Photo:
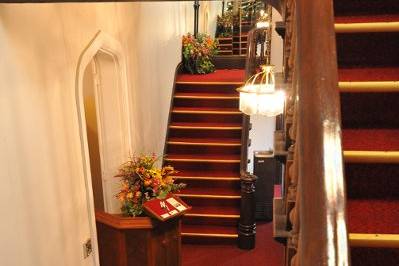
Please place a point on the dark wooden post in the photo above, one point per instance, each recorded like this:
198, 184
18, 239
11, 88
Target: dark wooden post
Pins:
247, 224
196, 17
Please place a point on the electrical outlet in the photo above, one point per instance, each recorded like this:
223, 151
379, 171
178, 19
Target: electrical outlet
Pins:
87, 248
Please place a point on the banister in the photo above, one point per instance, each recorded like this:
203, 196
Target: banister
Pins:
318, 218
247, 225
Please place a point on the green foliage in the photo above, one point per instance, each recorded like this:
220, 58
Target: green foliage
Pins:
197, 53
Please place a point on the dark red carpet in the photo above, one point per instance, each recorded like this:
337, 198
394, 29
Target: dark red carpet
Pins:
267, 252
220, 75
371, 139
370, 123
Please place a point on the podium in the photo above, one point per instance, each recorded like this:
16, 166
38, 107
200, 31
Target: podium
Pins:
138, 241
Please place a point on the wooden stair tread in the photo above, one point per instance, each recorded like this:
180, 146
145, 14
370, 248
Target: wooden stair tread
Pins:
205, 141
371, 156
374, 240
211, 126
209, 231
210, 96
206, 110
361, 139
367, 27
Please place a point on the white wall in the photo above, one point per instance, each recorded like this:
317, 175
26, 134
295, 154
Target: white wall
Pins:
42, 195
262, 133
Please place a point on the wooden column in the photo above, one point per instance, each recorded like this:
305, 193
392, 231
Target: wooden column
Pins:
247, 224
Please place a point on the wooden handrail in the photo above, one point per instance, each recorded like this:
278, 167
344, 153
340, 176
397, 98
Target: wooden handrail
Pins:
312, 121
323, 235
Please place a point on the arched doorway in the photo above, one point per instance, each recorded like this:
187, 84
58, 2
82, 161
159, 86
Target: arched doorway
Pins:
103, 111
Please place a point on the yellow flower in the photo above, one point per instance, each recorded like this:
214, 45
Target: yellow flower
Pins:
129, 195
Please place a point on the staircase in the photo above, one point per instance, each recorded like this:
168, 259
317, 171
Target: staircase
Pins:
367, 34
204, 144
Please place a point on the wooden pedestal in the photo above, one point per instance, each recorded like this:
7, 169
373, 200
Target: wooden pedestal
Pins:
139, 241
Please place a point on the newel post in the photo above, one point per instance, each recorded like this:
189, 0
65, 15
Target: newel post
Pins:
247, 224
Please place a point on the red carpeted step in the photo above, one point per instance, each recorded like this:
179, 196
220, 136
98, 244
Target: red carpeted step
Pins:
217, 204
204, 185
363, 18
375, 256
359, 49
371, 139
233, 95
205, 110
207, 103
373, 216
229, 211
219, 88
365, 7
369, 110
205, 141
210, 193
203, 149
208, 174
369, 73
206, 167
210, 230
372, 181
210, 130
220, 75
204, 144
205, 158
223, 117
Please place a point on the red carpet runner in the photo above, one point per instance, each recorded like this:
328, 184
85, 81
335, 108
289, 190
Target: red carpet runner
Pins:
204, 144
368, 58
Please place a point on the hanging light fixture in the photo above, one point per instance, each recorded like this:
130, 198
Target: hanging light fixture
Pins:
259, 96
263, 20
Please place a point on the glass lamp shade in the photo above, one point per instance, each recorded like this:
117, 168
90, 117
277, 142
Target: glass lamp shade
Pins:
262, 98
262, 24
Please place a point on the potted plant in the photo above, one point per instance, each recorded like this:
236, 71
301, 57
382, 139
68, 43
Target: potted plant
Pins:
197, 53
141, 181
224, 25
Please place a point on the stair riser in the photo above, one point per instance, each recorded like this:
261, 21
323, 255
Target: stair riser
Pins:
208, 241
365, 7
207, 118
374, 257
365, 49
370, 110
207, 88
199, 133
205, 184
206, 167
222, 103
214, 221
218, 204
190, 149
373, 181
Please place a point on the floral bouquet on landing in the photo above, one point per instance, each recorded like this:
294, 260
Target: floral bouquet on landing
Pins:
143, 181
197, 53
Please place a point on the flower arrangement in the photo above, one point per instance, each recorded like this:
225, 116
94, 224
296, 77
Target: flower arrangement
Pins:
197, 53
143, 181
224, 25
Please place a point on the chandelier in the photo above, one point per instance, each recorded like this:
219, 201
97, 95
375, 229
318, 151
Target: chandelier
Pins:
259, 96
